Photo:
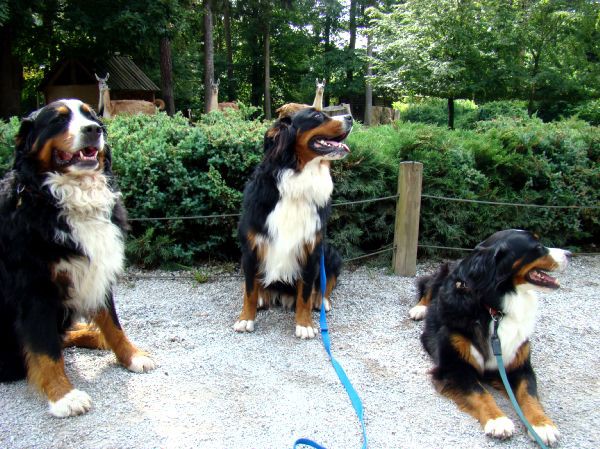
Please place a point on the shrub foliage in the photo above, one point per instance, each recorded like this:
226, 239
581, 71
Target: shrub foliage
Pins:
167, 167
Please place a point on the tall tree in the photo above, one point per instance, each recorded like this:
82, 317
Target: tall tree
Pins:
166, 74
209, 64
431, 48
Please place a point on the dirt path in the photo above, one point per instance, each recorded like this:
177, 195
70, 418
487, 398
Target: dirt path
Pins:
214, 388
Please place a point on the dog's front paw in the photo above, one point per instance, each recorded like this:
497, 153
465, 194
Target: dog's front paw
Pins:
305, 332
499, 428
418, 312
547, 432
141, 363
244, 326
75, 402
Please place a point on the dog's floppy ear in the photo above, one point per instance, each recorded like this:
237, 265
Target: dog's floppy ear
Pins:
22, 138
279, 137
107, 160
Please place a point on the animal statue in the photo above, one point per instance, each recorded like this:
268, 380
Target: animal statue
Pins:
109, 108
214, 100
289, 109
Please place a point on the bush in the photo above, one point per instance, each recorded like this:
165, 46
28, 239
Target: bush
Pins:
8, 131
507, 160
496, 109
167, 167
434, 111
588, 111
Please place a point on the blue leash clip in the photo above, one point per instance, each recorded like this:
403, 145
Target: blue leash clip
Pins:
352, 394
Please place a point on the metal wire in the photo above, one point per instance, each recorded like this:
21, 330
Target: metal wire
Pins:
499, 203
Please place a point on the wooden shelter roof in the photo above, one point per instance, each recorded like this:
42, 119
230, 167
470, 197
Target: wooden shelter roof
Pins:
124, 74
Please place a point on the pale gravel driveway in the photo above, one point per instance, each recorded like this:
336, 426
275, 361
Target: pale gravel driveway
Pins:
217, 389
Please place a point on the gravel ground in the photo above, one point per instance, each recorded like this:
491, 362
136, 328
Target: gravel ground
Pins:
214, 388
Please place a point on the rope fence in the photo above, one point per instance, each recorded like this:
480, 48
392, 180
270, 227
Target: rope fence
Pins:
384, 249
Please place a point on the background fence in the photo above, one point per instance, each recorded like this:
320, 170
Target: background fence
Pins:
406, 230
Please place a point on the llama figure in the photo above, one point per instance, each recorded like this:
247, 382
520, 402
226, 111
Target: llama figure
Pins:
289, 109
110, 108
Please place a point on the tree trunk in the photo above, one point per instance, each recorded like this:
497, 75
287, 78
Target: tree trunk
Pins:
166, 75
368, 87
11, 76
231, 91
450, 113
327, 45
267, 43
209, 64
352, 42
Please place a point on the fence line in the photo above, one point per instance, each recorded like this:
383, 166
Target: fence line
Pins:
373, 200
499, 203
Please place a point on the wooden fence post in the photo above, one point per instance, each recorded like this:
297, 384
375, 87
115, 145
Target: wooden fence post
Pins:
408, 208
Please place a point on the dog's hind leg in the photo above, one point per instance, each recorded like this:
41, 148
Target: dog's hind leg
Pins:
83, 335
419, 311
127, 353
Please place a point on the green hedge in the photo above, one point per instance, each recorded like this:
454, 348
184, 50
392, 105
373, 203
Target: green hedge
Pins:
168, 168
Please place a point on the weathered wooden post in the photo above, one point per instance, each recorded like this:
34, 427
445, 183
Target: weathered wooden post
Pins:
408, 208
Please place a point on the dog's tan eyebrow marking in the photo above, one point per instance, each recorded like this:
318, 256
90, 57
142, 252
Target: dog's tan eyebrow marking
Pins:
62, 110
85, 108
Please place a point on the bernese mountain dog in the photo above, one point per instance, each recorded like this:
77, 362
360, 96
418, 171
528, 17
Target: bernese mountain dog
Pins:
61, 250
497, 281
284, 216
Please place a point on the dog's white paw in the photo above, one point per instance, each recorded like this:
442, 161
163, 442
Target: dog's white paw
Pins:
75, 402
305, 332
418, 312
244, 326
327, 305
261, 302
141, 363
499, 428
547, 432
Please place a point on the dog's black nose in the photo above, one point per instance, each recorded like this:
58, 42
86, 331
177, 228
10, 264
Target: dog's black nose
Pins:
348, 119
91, 130
568, 255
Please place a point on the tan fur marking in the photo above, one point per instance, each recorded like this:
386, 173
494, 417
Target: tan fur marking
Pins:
479, 405
545, 263
116, 339
85, 336
462, 345
303, 308
48, 375
249, 307
329, 128
520, 357
532, 409
60, 142
85, 108
425, 299
63, 110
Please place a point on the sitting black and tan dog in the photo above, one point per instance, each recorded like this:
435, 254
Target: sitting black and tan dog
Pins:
61, 250
499, 278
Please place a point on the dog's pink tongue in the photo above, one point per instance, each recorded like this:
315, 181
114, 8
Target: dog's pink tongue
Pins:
335, 143
65, 155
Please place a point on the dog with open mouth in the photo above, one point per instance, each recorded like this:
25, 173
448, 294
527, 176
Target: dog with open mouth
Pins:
284, 217
62, 228
498, 280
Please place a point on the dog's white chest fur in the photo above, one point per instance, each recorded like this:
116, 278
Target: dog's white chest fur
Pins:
87, 203
294, 222
517, 325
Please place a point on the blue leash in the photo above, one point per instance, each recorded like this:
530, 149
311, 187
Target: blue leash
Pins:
497, 348
352, 394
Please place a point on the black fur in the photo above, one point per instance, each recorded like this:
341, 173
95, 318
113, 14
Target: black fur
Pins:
463, 296
32, 313
261, 196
